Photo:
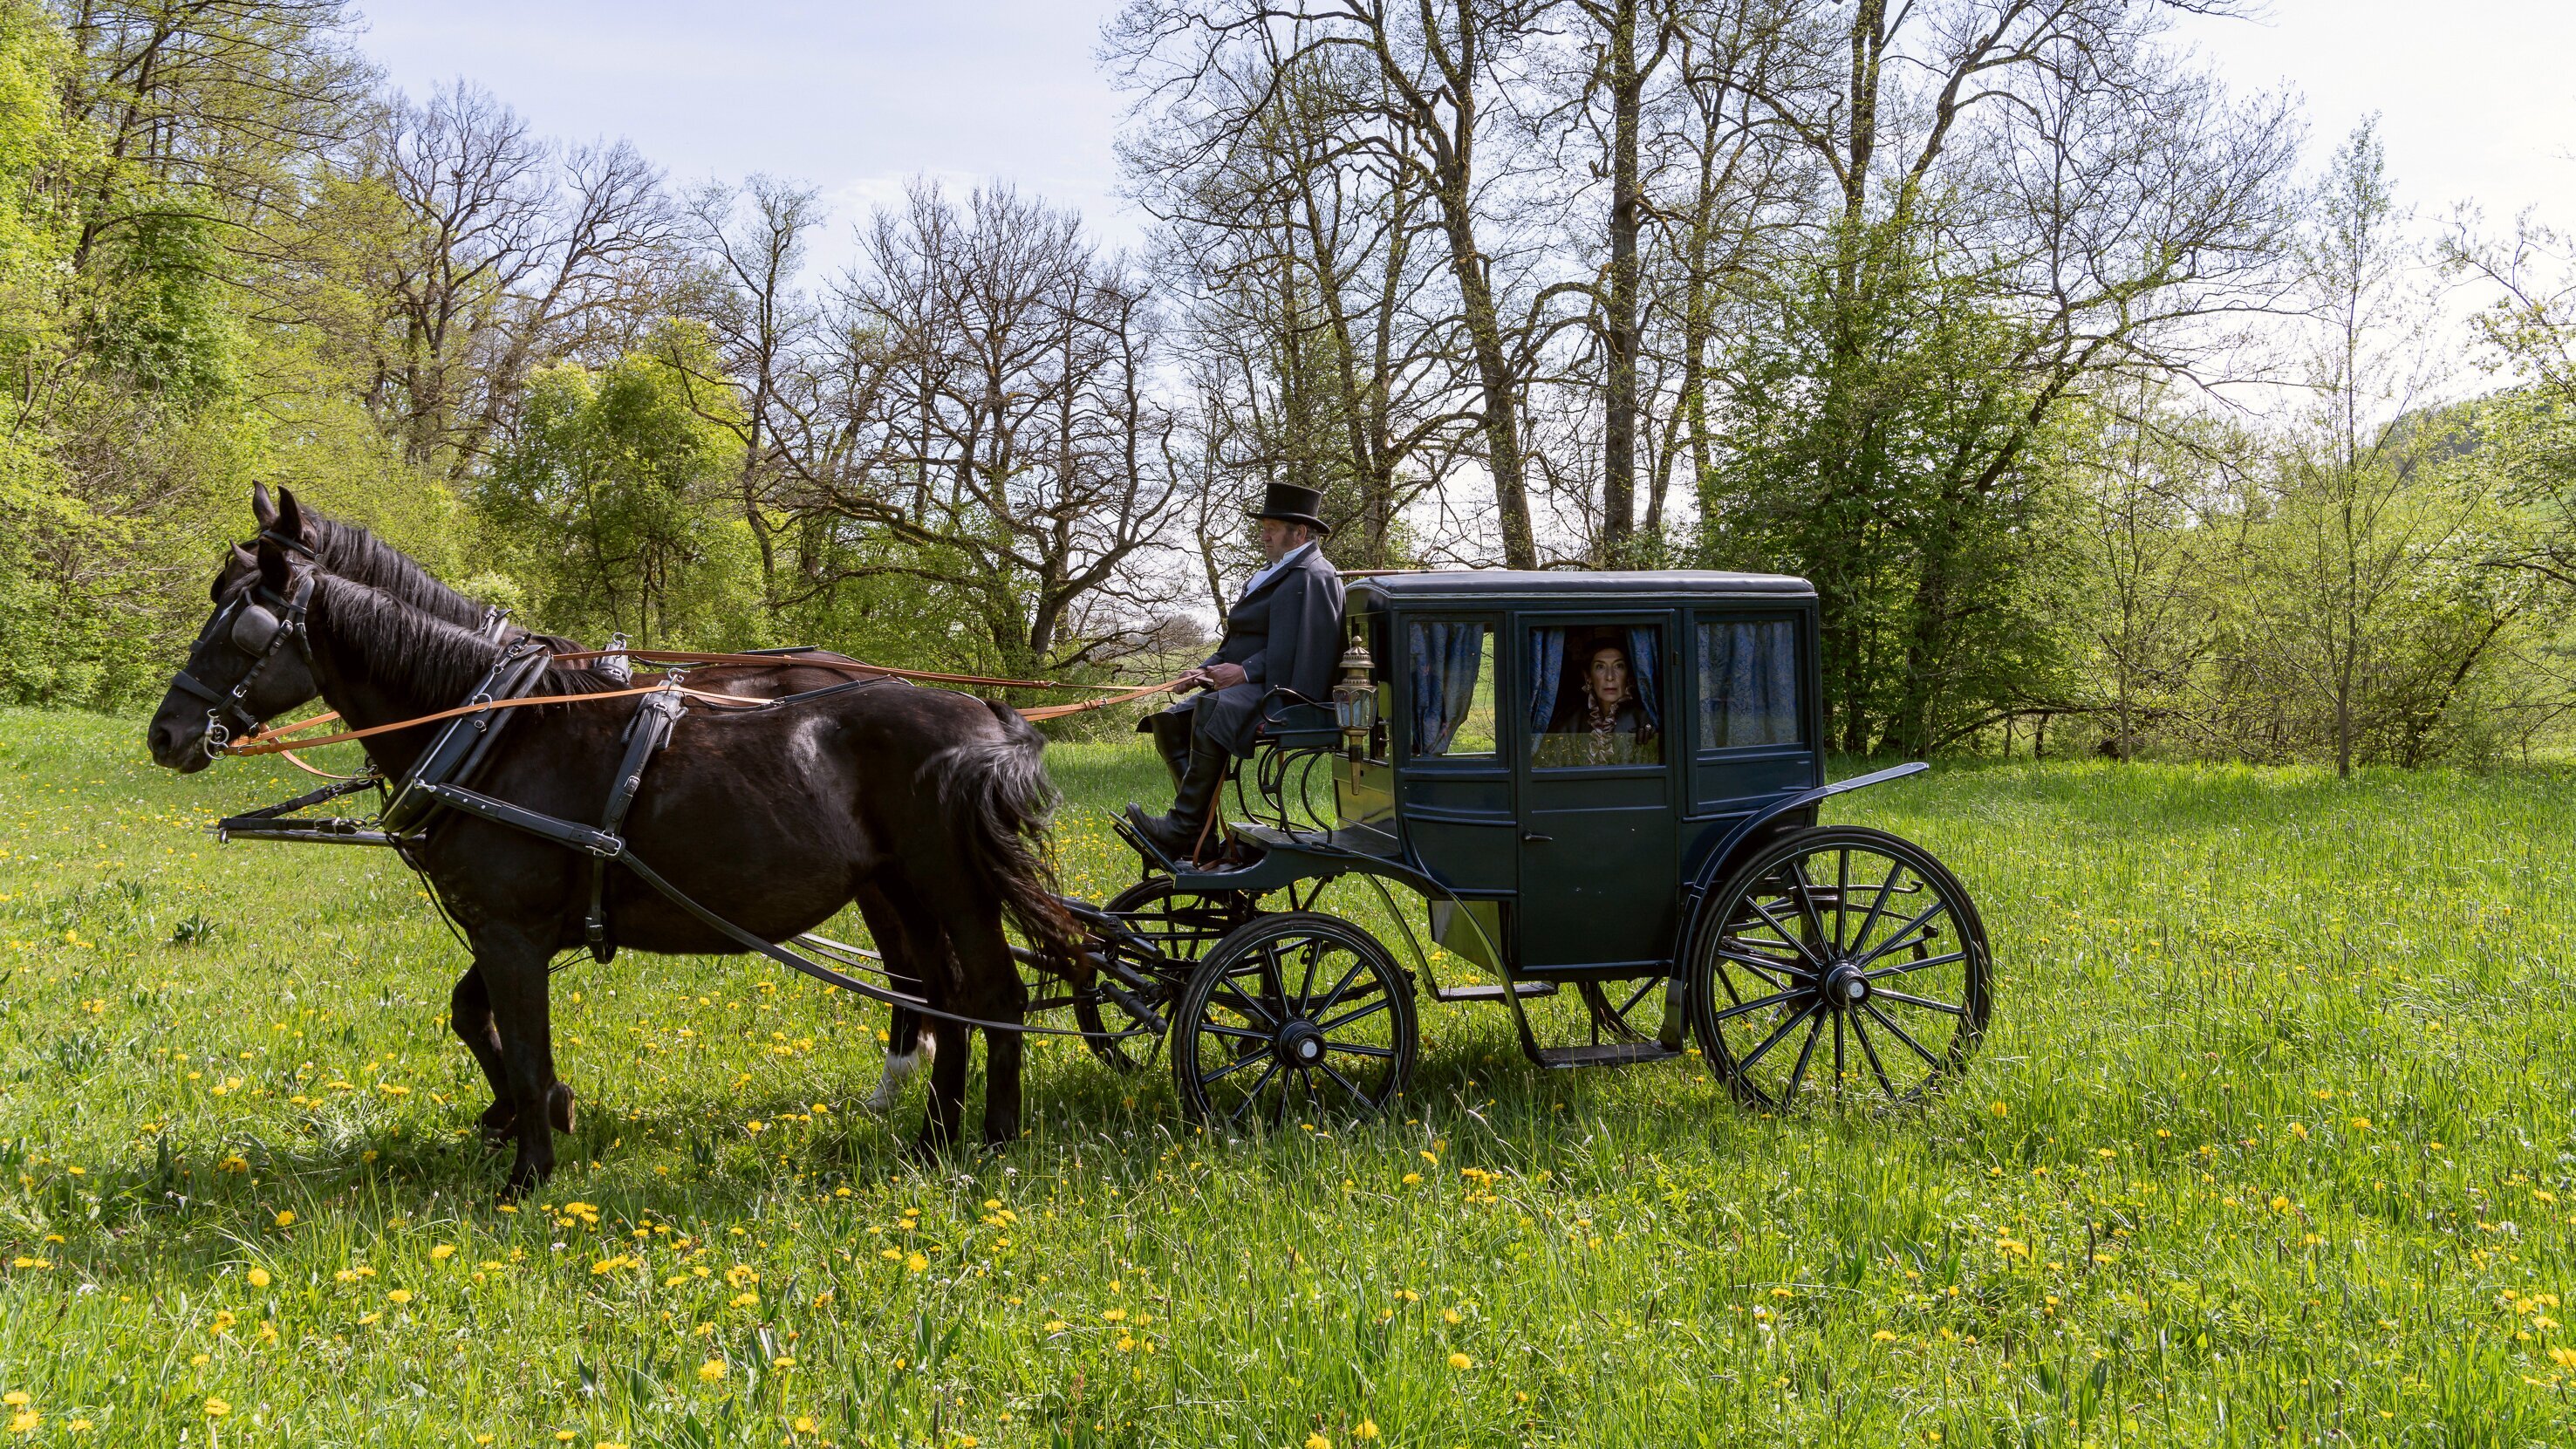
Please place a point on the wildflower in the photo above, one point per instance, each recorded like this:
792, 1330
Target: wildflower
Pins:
1364, 1429
1318, 1441
258, 1277
1882, 1336
1461, 1362
1411, 1178
785, 1361
746, 1300
217, 1408
286, 1217
2280, 1204
399, 1296
1112, 1315
2000, 1110
710, 1371
805, 1425
2563, 1357
1451, 1317
442, 1252
914, 1263
16, 1398
25, 1421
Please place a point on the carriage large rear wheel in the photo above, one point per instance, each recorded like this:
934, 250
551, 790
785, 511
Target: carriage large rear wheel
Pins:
1843, 957
1298, 1014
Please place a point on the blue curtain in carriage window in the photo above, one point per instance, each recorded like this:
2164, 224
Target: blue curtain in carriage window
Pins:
1641, 672
1547, 662
1444, 658
1748, 684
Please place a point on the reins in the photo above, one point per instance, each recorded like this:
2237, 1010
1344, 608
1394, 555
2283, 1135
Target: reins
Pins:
276, 741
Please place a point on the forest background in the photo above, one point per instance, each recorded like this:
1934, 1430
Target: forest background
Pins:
2108, 410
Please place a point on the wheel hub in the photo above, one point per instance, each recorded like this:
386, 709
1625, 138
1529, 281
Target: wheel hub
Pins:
1845, 986
1299, 1043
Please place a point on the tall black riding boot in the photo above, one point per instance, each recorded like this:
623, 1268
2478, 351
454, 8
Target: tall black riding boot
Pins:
1171, 731
1177, 835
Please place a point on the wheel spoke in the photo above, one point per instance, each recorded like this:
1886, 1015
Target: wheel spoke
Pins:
1806, 893
1335, 995
1235, 1065
1233, 1031
1251, 1094
1763, 966
1244, 1006
1927, 1003
1785, 934
1306, 991
1871, 1052
1786, 1027
1357, 1050
1838, 1052
1902, 1034
1926, 964
1630, 1004
1842, 896
1355, 1013
1756, 1004
1877, 907
1901, 933
1806, 1049
1347, 1085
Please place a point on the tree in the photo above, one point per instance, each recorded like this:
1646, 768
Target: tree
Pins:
613, 492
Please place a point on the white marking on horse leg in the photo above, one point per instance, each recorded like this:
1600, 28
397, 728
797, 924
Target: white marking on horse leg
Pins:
899, 1070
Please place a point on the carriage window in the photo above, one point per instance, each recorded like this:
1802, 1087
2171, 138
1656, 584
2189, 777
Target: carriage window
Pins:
1748, 683
1452, 668
1593, 696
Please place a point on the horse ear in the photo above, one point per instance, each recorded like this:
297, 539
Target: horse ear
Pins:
240, 561
260, 506
290, 521
275, 568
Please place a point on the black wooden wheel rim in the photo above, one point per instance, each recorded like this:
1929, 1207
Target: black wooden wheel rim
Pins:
1179, 926
1843, 960
1297, 1016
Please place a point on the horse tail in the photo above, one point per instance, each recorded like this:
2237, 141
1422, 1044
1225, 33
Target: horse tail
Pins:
998, 792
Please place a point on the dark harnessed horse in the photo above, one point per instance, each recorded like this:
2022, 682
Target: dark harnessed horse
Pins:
760, 822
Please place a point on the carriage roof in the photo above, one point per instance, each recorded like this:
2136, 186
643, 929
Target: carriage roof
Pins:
1505, 585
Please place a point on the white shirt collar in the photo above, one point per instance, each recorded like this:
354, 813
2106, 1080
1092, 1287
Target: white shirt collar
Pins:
1285, 559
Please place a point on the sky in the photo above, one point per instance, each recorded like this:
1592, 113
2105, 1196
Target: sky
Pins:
2477, 97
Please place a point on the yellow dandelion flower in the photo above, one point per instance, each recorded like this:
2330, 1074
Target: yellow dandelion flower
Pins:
1882, 1336
1318, 1441
258, 1277
746, 1300
442, 1252
399, 1296
1364, 1429
16, 1399
217, 1408
1055, 1325
286, 1218
25, 1421
1461, 1362
1112, 1315
914, 1263
805, 1425
711, 1370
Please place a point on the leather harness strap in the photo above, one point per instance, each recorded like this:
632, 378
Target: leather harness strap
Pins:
646, 734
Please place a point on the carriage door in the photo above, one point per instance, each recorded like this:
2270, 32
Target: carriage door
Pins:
1597, 876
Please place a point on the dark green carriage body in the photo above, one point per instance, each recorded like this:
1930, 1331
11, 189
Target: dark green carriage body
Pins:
1569, 870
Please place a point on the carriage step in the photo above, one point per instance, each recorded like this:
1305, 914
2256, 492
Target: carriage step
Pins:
1522, 989
1608, 1054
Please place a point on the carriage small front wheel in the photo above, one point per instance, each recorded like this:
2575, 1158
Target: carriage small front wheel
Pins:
1839, 955
1297, 1014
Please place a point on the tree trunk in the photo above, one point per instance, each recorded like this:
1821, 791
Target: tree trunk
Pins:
1619, 326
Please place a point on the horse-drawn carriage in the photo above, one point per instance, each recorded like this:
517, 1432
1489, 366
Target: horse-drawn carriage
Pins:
1603, 786
1659, 861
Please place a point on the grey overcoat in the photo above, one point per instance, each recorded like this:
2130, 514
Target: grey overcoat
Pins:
1287, 634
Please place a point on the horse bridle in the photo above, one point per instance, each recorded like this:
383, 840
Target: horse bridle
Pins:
261, 624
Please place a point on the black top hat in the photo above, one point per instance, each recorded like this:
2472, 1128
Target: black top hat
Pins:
1292, 504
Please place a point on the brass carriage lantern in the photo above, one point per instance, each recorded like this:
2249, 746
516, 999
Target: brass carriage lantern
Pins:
1355, 700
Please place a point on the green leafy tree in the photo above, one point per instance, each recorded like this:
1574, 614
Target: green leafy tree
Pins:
614, 498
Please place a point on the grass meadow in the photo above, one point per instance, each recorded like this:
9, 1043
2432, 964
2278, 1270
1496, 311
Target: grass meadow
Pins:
2269, 1144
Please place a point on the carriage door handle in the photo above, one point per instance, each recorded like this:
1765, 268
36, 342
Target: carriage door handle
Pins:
1534, 838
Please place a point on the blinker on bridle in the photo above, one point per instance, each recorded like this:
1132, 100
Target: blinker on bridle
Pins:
253, 624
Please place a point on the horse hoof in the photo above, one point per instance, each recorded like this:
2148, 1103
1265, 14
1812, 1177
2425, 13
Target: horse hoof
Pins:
559, 1107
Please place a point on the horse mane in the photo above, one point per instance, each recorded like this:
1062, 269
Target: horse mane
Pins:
433, 659
351, 552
